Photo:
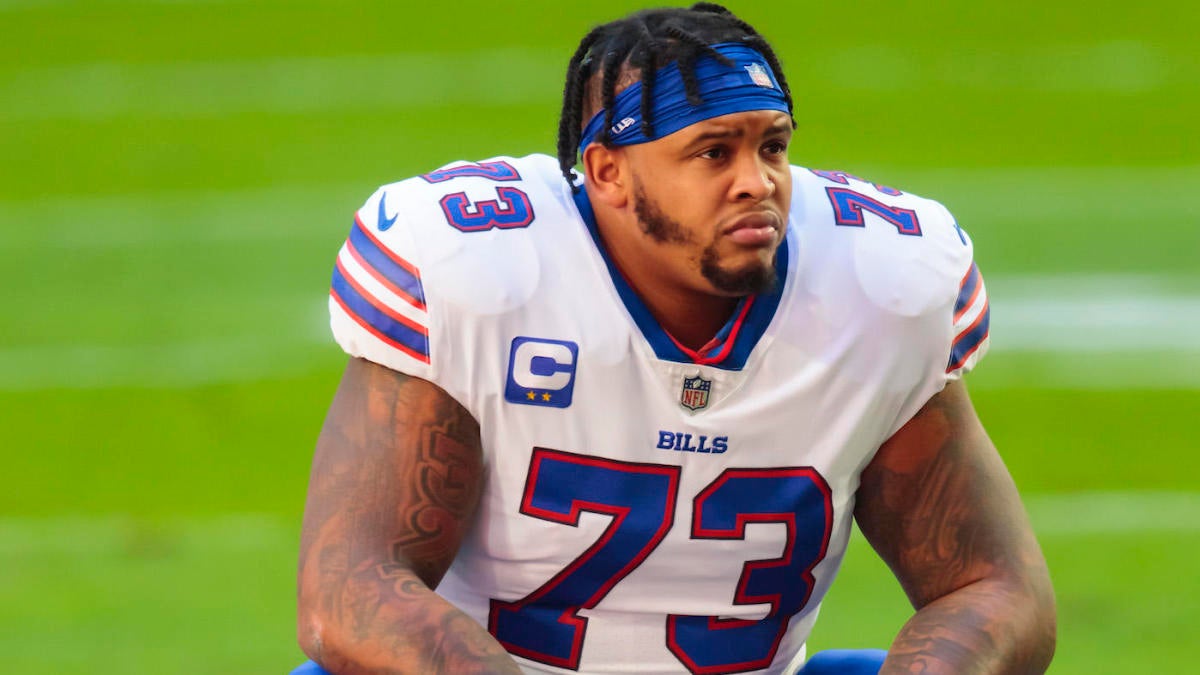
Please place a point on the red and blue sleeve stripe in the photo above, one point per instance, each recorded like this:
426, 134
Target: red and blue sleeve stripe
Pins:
968, 340
968, 291
395, 273
377, 318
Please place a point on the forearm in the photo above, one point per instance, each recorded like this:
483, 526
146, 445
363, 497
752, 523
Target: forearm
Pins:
383, 622
989, 626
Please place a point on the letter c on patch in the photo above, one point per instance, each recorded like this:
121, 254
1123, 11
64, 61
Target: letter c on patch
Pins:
542, 365
541, 372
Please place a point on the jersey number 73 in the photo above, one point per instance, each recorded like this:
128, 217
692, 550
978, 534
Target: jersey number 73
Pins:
545, 625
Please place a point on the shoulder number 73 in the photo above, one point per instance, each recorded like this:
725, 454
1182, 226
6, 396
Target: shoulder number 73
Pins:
545, 625
511, 208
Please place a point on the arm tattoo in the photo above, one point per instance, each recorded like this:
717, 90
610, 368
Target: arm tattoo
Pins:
442, 477
940, 508
395, 482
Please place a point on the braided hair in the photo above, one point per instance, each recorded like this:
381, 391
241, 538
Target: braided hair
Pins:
623, 51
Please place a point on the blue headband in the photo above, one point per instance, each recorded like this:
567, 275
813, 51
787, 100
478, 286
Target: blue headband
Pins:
746, 85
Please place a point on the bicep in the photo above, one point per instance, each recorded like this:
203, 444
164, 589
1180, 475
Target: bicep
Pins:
939, 506
395, 480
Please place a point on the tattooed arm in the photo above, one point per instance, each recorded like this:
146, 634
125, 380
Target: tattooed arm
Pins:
395, 480
940, 508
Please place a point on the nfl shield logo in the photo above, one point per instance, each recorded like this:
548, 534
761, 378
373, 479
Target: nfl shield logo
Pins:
695, 392
759, 75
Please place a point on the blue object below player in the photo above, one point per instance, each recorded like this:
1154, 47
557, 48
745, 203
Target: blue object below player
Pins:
828, 662
844, 662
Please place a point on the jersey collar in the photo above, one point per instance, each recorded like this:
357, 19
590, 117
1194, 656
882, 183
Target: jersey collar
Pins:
731, 346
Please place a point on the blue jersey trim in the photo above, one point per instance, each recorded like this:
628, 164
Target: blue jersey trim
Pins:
968, 342
392, 270
754, 323
967, 293
388, 326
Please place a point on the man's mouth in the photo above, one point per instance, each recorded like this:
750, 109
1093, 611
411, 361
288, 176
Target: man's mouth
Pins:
760, 228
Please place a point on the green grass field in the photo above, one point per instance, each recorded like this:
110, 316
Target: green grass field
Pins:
176, 177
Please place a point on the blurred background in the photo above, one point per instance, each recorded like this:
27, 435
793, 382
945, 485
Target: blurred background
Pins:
177, 175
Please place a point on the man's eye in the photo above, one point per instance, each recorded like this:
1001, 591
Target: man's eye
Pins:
776, 147
713, 153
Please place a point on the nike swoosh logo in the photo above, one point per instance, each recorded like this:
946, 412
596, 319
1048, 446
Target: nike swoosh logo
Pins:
383, 221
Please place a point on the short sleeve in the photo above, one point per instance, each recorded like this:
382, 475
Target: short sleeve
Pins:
377, 304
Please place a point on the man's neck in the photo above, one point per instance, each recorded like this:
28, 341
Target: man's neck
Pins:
693, 317
692, 320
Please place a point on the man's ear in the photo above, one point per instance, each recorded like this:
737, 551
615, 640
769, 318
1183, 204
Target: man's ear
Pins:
608, 176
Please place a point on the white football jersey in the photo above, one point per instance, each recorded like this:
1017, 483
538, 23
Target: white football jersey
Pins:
649, 509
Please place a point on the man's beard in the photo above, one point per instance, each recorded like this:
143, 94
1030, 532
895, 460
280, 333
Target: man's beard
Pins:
753, 278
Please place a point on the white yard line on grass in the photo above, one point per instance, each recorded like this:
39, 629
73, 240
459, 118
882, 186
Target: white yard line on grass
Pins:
173, 89
105, 90
180, 364
1093, 314
312, 212
185, 218
1114, 512
1053, 515
1093, 332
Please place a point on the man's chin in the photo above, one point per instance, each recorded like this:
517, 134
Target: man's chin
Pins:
746, 280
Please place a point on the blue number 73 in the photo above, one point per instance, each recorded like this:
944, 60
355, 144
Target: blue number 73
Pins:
545, 625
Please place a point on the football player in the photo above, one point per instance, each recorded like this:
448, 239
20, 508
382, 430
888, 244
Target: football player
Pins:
623, 421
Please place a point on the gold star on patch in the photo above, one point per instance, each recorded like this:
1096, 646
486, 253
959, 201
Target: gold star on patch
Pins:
530, 396
546, 396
